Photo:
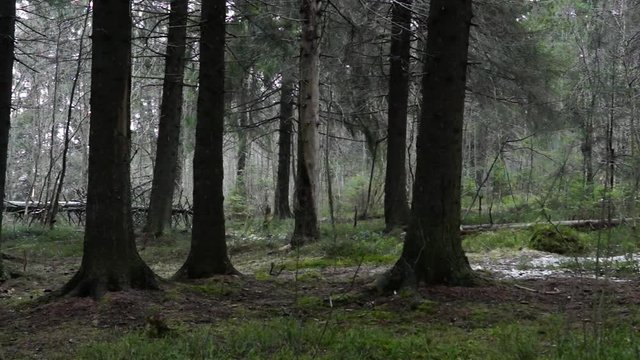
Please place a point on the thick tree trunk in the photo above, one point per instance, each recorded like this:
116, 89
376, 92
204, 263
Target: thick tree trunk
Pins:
306, 212
432, 251
396, 207
7, 30
110, 259
282, 210
208, 255
165, 172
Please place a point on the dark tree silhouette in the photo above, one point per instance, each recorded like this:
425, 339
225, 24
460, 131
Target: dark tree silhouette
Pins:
432, 252
165, 171
7, 30
110, 260
285, 131
208, 255
396, 207
305, 210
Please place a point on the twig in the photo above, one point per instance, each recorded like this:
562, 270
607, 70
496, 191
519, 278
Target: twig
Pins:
554, 292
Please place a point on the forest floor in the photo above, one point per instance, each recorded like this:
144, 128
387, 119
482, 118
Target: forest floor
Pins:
317, 303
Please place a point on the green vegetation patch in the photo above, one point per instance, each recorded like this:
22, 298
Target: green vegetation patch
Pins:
558, 240
500, 239
40, 242
288, 338
216, 287
349, 247
284, 339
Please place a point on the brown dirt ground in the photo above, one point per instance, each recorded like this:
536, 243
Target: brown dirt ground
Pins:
45, 328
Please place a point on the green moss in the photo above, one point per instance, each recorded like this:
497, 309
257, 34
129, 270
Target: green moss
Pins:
558, 240
216, 288
309, 302
426, 307
262, 275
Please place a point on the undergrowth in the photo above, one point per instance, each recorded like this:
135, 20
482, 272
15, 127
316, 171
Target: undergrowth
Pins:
37, 241
282, 338
619, 240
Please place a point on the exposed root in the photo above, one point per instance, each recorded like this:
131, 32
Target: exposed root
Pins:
97, 284
401, 275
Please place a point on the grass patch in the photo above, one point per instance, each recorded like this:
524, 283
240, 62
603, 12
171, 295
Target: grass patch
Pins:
500, 239
40, 242
619, 240
279, 339
351, 247
308, 339
309, 302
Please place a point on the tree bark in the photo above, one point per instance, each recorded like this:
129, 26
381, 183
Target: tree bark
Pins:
285, 130
432, 252
306, 213
208, 255
243, 141
110, 259
396, 207
166, 168
7, 31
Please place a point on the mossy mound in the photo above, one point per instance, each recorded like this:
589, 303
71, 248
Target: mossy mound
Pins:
557, 240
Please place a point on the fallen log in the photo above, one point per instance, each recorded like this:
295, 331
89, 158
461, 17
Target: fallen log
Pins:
12, 206
590, 224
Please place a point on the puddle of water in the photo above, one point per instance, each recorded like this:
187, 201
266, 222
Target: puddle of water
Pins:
531, 264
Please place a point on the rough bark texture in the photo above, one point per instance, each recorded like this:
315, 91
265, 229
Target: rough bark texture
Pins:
110, 260
432, 252
7, 29
396, 207
208, 255
166, 167
282, 209
306, 216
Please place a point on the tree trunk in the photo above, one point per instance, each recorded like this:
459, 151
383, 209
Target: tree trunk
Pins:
166, 170
306, 213
432, 251
243, 141
587, 144
110, 259
396, 207
7, 30
282, 210
208, 255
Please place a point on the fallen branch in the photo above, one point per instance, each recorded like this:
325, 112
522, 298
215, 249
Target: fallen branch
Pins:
554, 292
